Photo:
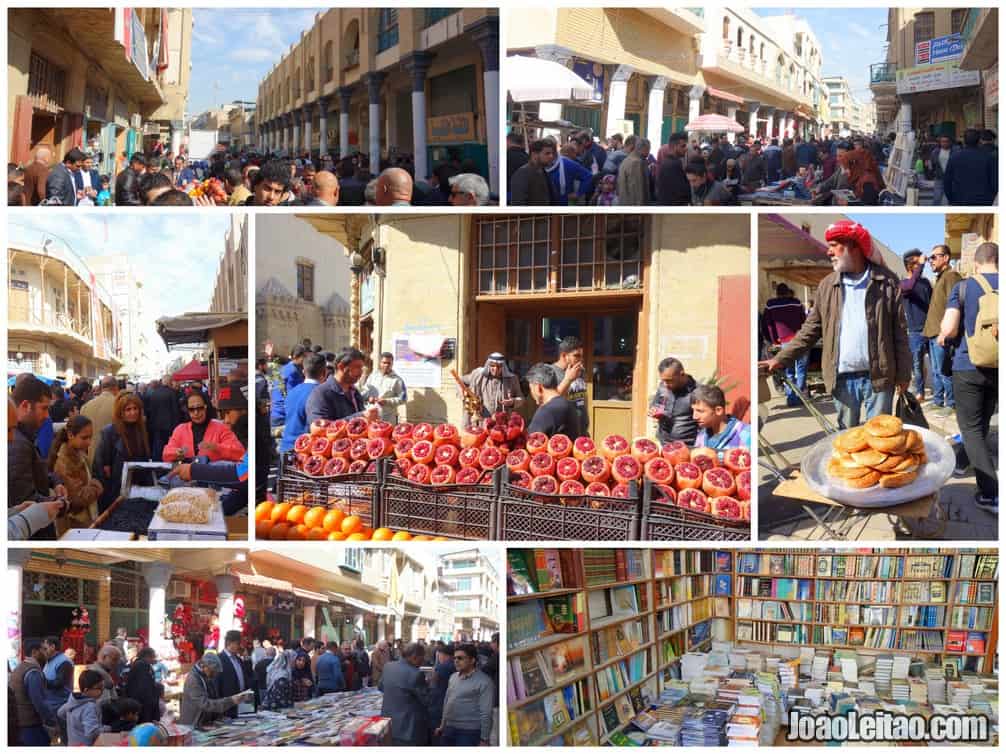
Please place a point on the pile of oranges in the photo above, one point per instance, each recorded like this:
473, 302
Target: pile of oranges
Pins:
297, 522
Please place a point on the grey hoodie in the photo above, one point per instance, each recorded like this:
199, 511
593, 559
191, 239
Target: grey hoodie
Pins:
83, 721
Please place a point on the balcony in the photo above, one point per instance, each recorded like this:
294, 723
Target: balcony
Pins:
883, 73
686, 21
765, 75
62, 325
981, 39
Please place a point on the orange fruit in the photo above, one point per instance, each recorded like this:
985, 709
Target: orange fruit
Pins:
263, 510
279, 530
367, 532
333, 520
314, 517
356, 536
383, 534
401, 536
262, 529
336, 536
278, 512
441, 539
422, 538
352, 524
296, 514
297, 532
316, 534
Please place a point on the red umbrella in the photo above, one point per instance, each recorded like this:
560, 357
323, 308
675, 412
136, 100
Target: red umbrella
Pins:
194, 370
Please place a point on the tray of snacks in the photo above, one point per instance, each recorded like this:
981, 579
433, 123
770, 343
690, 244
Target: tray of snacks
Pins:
879, 464
188, 513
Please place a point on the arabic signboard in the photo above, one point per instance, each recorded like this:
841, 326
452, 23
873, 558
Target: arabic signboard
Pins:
451, 129
593, 74
929, 78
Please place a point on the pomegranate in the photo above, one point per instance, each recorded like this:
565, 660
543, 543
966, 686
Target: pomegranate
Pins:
470, 456
571, 487
659, 471
490, 458
446, 434
595, 469
737, 460
620, 490
497, 434
545, 485
536, 442
625, 469
318, 427
301, 459
693, 500
518, 460
521, 479
356, 428
614, 446
303, 443
705, 458
468, 475
665, 494
567, 468
559, 446
401, 432
403, 464
336, 430
358, 467
315, 465
718, 482
676, 452
515, 427
726, 507
442, 474
403, 448
372, 467
644, 450
358, 449
341, 448
598, 489
379, 447
419, 473
583, 447
541, 464
688, 476
379, 429
472, 437
422, 451
743, 482
423, 431
446, 454
336, 466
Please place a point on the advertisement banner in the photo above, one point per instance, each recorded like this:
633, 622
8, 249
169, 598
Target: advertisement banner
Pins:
944, 49
593, 74
930, 78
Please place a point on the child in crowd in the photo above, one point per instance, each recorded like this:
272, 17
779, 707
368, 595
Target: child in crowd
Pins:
605, 195
120, 715
717, 430
104, 197
80, 713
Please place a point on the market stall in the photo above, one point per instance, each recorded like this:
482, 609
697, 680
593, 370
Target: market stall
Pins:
535, 80
225, 336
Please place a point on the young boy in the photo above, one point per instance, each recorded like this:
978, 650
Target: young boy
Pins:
80, 713
120, 715
717, 430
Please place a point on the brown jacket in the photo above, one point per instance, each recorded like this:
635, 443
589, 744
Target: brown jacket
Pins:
890, 359
81, 489
633, 182
35, 176
942, 288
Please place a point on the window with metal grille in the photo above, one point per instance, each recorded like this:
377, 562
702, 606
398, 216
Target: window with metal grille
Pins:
957, 18
310, 75
124, 590
27, 363
46, 83
438, 14
387, 28
305, 281
925, 26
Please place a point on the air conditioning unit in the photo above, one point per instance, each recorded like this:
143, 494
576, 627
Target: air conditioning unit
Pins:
179, 590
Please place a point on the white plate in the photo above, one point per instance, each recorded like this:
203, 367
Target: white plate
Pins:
934, 475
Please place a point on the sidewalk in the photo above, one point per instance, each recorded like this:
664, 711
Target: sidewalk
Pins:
792, 431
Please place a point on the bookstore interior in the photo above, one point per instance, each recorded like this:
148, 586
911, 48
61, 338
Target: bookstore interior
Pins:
706, 647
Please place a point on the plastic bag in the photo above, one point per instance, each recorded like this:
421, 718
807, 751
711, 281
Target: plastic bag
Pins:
909, 410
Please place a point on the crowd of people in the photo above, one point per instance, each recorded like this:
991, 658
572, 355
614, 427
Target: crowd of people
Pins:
67, 446
435, 693
875, 332
629, 172
241, 178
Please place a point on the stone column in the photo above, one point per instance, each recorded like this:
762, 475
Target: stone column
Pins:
655, 111
310, 619
286, 133
177, 131
295, 145
616, 99
769, 124
226, 587
695, 101
308, 117
322, 126
398, 626
486, 34
17, 559
345, 95
360, 627
732, 114
374, 81
157, 576
752, 107
417, 65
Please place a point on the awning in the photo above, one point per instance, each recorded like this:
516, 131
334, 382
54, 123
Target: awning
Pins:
714, 124
266, 582
535, 80
307, 594
720, 94
805, 112
360, 604
194, 370
194, 328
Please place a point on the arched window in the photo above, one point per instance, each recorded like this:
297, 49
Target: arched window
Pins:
761, 55
740, 37
726, 28
296, 85
329, 62
351, 45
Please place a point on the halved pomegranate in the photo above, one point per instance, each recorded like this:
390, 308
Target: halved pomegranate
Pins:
341, 447
659, 471
583, 447
625, 469
490, 458
541, 464
559, 446
676, 452
446, 434
470, 456
518, 460
358, 449
315, 465
336, 466
402, 465
379, 429
372, 467
358, 467
336, 429
422, 451
419, 473
447, 454
665, 494
521, 479
442, 474
303, 443
403, 448
726, 507
598, 489
472, 437
595, 469
536, 442
515, 427
718, 482
401, 432
743, 482
356, 428
687, 476
614, 446
705, 458
379, 447
737, 460
644, 450
571, 487
301, 459
468, 475
318, 427
423, 431
545, 485
693, 500
620, 490
567, 468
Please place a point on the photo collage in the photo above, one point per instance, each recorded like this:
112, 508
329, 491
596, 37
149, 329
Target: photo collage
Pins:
574, 375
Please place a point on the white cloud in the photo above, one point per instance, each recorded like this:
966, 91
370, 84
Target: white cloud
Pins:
254, 55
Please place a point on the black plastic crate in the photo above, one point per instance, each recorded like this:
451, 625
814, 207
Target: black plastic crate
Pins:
665, 521
526, 515
455, 511
353, 494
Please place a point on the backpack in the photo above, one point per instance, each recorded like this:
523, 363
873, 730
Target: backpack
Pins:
983, 346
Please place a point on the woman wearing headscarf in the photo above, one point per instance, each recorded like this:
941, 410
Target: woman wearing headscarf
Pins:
495, 385
301, 680
125, 439
862, 174
202, 436
278, 691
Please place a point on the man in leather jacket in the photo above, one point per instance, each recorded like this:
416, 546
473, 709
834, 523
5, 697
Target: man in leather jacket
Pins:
127, 184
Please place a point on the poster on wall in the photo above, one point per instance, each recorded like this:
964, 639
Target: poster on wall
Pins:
593, 74
414, 362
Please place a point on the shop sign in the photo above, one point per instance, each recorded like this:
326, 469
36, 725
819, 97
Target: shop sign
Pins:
943, 49
450, 129
991, 77
416, 369
593, 74
930, 78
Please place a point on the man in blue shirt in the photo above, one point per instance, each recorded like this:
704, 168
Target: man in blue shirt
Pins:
182, 174
329, 670
337, 397
292, 372
567, 177
296, 401
916, 292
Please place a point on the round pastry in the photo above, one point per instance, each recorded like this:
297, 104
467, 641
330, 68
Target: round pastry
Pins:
853, 472
851, 441
869, 457
891, 463
909, 464
892, 481
884, 425
896, 444
867, 480
914, 442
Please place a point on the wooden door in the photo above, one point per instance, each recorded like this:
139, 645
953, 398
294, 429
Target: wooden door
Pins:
43, 131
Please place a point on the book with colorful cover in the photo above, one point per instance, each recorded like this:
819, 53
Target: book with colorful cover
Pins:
623, 601
565, 659
556, 711
527, 622
723, 584
528, 723
533, 673
561, 614
519, 575
723, 561
548, 569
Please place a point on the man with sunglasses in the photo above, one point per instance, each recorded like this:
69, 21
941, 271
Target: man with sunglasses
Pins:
337, 397
946, 279
468, 707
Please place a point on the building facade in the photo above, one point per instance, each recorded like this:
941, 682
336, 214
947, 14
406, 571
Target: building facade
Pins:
230, 291
141, 357
109, 80
472, 587
241, 125
848, 114
61, 321
419, 81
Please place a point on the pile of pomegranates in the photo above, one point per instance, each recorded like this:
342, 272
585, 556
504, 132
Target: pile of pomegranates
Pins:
694, 479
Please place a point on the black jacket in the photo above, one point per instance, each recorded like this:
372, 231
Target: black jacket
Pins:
163, 412
676, 421
27, 475
971, 178
141, 686
673, 189
329, 401
127, 189
515, 159
60, 185
112, 453
227, 681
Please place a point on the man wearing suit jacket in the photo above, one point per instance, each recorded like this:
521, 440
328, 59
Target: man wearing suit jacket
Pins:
87, 181
237, 674
61, 183
407, 698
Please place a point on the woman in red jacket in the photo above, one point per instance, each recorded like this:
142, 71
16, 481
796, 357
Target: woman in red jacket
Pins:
202, 436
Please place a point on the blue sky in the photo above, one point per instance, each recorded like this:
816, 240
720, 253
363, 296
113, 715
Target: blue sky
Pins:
233, 49
850, 38
903, 232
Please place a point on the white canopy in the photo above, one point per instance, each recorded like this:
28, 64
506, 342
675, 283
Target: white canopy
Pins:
535, 80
